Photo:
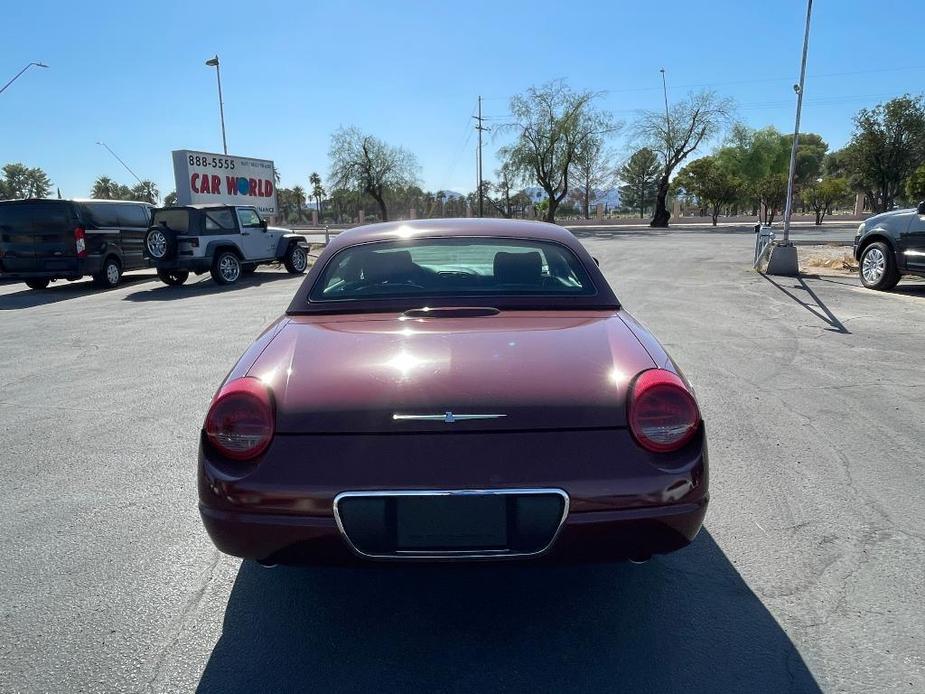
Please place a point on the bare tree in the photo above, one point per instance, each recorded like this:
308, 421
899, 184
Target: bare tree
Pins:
688, 123
365, 163
553, 123
592, 171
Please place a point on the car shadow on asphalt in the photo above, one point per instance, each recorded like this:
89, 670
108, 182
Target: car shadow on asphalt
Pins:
203, 287
64, 291
815, 307
684, 622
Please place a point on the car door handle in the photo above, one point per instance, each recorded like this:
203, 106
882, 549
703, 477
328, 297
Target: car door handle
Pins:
245, 233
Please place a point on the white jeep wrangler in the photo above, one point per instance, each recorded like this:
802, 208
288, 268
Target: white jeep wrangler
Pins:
226, 240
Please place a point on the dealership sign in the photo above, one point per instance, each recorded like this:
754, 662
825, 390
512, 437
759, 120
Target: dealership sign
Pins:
204, 177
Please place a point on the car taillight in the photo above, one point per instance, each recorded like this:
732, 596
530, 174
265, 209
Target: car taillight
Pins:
663, 415
240, 423
80, 241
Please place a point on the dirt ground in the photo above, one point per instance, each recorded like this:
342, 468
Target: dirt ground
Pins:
827, 260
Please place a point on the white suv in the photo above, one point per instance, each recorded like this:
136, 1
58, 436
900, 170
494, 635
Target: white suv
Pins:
226, 240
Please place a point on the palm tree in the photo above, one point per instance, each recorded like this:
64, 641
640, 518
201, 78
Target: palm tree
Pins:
298, 199
317, 191
146, 191
103, 188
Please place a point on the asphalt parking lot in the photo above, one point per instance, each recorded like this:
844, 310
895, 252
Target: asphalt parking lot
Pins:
806, 577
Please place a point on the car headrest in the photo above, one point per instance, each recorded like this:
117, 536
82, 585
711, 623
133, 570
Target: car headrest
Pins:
388, 265
518, 268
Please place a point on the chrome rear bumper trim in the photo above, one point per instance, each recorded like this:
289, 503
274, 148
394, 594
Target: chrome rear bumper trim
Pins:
450, 555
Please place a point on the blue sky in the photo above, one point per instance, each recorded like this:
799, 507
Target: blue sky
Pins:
132, 74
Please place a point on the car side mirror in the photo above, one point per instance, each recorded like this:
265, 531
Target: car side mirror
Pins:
596, 261
263, 224
921, 207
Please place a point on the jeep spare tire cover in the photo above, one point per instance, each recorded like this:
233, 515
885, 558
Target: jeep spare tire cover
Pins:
161, 243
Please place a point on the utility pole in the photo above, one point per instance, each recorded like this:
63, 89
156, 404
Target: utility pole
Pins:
480, 128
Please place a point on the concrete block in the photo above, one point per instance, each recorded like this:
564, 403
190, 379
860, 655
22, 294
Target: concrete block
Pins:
783, 261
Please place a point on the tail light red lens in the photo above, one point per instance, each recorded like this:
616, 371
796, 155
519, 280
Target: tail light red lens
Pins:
80, 242
663, 414
241, 420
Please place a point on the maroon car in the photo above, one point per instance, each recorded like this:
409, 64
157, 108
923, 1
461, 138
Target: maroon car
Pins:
453, 389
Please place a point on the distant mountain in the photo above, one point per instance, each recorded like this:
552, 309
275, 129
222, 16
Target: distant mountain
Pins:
609, 198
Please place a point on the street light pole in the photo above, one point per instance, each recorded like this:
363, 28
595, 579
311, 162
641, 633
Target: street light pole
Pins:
119, 159
788, 209
3, 88
213, 62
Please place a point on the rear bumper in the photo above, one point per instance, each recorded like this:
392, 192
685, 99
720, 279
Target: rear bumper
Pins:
197, 265
584, 537
57, 269
621, 501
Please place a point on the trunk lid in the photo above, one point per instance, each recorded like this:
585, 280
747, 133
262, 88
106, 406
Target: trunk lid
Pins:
541, 370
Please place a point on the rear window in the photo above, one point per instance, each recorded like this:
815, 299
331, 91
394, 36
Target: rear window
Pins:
452, 267
178, 220
32, 216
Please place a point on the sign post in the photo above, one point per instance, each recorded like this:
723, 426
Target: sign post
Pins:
206, 177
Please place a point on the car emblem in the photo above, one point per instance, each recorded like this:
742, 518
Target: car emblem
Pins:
446, 417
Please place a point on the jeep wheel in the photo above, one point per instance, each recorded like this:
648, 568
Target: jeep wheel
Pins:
109, 275
160, 243
878, 267
173, 277
37, 283
296, 260
226, 268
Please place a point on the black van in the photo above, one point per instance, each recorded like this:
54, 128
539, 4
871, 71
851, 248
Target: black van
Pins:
44, 240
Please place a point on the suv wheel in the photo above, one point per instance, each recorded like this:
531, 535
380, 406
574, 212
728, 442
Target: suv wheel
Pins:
226, 268
173, 277
296, 259
878, 267
109, 275
37, 283
160, 243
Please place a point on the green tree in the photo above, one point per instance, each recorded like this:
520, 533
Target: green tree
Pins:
811, 153
640, 175
712, 184
688, 124
552, 124
367, 164
772, 194
915, 186
887, 146
754, 156
170, 199
20, 181
821, 195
